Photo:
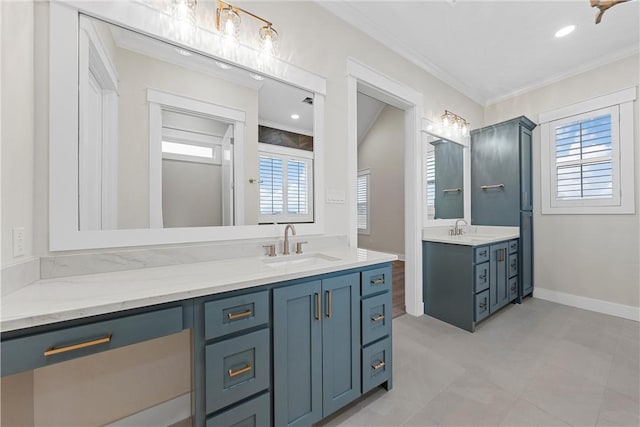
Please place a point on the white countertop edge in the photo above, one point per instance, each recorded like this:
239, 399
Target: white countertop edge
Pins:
22, 300
464, 240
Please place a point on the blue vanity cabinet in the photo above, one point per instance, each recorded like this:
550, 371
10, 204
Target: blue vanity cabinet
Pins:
501, 185
232, 353
377, 315
463, 285
316, 343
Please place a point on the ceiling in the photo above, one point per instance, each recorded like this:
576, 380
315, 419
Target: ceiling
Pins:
491, 50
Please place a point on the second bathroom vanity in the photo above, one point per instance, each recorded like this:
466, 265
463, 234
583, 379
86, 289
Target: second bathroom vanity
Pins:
470, 276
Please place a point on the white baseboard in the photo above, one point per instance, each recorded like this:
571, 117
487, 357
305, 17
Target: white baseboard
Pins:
592, 304
164, 414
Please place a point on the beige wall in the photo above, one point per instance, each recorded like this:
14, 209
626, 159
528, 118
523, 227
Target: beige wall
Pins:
382, 152
17, 125
594, 256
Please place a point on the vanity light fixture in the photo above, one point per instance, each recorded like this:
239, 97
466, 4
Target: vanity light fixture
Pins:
228, 23
295, 116
455, 123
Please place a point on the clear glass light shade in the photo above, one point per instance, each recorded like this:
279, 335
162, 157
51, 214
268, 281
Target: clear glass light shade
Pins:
229, 24
184, 15
268, 40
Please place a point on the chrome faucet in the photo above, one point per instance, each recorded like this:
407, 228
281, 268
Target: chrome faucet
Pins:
285, 249
457, 231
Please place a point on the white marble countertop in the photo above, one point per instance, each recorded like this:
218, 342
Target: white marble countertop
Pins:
56, 300
473, 235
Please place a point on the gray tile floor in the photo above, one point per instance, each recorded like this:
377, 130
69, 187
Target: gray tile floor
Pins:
535, 364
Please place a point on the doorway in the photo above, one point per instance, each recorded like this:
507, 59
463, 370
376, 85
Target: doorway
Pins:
362, 79
381, 185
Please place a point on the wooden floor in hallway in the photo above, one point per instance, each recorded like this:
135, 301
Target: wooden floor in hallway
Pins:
398, 288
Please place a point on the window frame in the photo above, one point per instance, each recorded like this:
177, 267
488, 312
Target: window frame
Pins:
367, 174
286, 154
620, 106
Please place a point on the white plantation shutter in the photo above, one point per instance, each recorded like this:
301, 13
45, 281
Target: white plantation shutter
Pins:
431, 178
584, 166
285, 188
363, 201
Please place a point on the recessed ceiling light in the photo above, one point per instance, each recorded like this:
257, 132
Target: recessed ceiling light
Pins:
565, 31
295, 116
258, 77
223, 65
183, 52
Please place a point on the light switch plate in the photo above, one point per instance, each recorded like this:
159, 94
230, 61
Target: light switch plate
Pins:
335, 196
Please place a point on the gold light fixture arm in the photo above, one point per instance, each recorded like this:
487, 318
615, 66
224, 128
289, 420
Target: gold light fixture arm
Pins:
223, 5
603, 6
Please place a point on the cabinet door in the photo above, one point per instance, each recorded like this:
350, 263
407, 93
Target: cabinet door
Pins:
340, 341
526, 201
526, 253
499, 293
495, 161
297, 354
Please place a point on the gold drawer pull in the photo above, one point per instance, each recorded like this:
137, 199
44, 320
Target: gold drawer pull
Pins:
233, 373
378, 365
53, 350
378, 318
378, 281
234, 316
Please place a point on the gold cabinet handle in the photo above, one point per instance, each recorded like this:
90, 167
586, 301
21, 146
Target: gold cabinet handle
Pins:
234, 316
378, 281
53, 350
329, 304
233, 373
377, 318
318, 307
378, 365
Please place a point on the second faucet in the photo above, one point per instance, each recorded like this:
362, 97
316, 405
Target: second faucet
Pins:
285, 249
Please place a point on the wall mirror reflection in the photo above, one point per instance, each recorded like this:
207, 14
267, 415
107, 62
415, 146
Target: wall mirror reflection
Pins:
171, 138
444, 179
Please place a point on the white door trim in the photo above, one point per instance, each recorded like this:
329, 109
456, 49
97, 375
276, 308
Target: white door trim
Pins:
367, 80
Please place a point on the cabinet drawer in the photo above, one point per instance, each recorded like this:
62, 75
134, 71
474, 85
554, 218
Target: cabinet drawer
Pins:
26, 353
236, 368
376, 317
481, 254
234, 314
376, 280
513, 265
513, 288
513, 246
481, 277
481, 305
376, 364
253, 413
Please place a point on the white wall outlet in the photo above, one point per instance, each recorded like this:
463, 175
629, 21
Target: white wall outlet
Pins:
335, 195
18, 241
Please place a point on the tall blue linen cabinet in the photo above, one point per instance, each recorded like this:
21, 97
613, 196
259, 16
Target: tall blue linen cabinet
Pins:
501, 185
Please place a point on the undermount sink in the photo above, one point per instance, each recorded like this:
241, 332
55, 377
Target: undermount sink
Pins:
306, 259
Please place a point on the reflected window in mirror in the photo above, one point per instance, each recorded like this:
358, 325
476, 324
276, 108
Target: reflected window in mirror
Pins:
286, 176
444, 178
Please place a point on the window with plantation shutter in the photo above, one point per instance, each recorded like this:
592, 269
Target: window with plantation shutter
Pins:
363, 201
285, 185
431, 178
587, 156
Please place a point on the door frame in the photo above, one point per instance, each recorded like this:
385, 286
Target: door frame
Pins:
361, 78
